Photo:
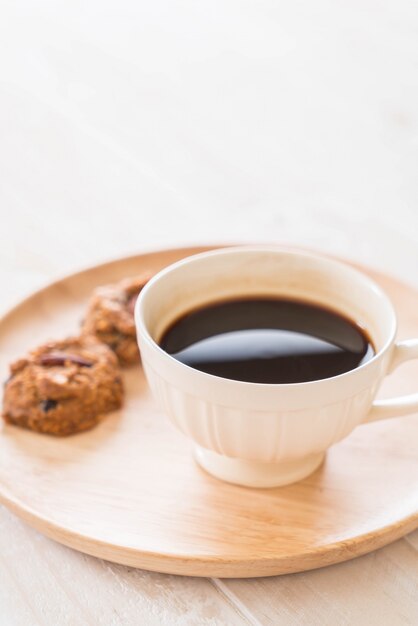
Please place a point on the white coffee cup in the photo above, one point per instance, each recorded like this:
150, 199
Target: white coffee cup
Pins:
265, 435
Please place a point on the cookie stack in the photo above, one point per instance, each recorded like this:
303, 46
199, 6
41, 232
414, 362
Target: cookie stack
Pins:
64, 387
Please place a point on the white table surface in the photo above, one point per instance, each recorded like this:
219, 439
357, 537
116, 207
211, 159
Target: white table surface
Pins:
133, 125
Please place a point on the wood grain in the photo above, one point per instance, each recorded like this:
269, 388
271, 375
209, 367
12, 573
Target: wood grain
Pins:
170, 123
70, 588
345, 594
130, 492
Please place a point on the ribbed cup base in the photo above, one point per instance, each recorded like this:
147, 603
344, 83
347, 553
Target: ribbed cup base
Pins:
256, 473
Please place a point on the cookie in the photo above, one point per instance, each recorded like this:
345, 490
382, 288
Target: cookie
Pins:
63, 387
110, 317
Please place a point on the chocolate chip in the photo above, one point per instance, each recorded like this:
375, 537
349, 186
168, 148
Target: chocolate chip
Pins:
61, 358
47, 405
116, 339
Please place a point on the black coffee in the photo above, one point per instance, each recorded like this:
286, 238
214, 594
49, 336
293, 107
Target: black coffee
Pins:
263, 340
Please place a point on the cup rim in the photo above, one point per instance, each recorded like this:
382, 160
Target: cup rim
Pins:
143, 330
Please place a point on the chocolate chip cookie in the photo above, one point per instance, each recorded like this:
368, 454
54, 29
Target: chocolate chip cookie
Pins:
110, 317
63, 387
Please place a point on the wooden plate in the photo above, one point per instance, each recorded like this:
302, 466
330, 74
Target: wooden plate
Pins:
130, 492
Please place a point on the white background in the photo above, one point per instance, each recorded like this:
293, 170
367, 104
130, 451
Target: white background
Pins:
133, 125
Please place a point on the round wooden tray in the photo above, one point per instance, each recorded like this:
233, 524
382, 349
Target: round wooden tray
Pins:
129, 491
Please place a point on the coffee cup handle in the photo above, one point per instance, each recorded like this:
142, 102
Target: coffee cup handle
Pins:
396, 407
